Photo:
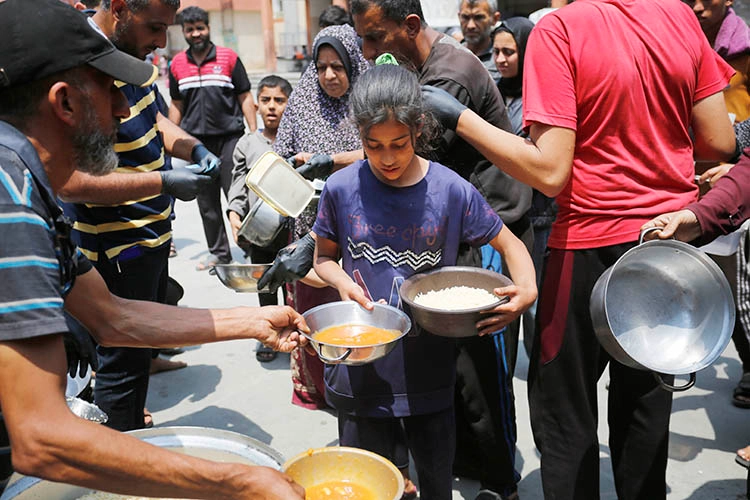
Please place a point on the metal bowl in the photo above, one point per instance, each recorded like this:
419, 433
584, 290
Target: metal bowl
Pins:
202, 442
240, 277
340, 463
451, 323
342, 313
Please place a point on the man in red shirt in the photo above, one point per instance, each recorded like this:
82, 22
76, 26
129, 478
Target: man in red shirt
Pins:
210, 94
608, 113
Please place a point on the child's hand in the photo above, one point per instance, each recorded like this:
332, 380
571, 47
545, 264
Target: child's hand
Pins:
520, 299
352, 291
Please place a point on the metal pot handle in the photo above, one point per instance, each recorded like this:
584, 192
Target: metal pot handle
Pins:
672, 388
646, 231
332, 361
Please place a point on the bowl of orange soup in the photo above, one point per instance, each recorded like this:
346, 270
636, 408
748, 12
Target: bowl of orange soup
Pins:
347, 333
342, 473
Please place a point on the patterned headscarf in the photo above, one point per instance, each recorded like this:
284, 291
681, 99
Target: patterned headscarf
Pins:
313, 121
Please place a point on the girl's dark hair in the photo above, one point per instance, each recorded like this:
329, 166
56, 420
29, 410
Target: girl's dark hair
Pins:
390, 92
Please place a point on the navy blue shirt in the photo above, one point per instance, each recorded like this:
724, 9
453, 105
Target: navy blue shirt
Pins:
386, 234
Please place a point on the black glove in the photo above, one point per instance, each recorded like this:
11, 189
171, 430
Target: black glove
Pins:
444, 106
292, 262
317, 167
206, 162
184, 183
80, 348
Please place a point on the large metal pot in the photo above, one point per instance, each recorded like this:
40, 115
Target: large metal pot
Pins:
348, 312
203, 442
664, 306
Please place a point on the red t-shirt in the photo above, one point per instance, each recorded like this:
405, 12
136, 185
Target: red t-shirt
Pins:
624, 74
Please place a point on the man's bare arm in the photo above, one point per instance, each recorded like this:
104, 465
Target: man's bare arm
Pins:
247, 104
112, 189
91, 455
175, 111
177, 142
114, 321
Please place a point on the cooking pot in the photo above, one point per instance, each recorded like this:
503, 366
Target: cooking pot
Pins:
262, 224
664, 306
203, 442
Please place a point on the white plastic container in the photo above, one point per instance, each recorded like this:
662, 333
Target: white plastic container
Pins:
278, 184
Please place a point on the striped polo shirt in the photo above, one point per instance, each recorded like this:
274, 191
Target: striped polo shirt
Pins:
37, 261
208, 91
120, 232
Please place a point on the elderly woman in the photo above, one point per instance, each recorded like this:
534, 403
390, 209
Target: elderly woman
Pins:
315, 123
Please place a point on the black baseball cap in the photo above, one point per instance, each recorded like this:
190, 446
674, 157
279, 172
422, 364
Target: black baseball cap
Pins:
42, 37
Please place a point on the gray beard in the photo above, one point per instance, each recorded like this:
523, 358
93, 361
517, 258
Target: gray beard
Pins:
93, 150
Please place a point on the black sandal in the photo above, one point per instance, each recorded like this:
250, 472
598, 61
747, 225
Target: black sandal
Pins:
265, 354
741, 393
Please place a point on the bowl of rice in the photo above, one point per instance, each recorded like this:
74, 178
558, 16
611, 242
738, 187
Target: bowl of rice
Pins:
449, 301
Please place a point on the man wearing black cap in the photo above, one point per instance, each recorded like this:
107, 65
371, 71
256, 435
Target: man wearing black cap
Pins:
122, 221
59, 111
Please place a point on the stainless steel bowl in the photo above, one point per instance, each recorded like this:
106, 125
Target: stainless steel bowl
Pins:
340, 463
262, 224
203, 442
240, 277
343, 313
451, 323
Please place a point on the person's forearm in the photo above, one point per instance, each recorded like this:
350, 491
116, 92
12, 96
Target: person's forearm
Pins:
177, 142
114, 321
331, 272
544, 165
346, 158
111, 189
248, 109
174, 114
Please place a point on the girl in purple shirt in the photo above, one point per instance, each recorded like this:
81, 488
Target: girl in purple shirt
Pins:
389, 217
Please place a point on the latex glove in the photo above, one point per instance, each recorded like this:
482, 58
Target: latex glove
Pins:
444, 106
292, 262
184, 183
80, 349
206, 162
317, 167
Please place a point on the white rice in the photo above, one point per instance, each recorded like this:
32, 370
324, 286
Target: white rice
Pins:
456, 298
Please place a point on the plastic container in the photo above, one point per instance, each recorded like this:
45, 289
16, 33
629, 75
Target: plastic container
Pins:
278, 184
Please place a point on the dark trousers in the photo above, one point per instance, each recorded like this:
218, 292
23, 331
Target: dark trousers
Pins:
122, 378
266, 255
430, 438
209, 201
567, 361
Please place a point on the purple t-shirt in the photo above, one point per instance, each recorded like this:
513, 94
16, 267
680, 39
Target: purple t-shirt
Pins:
387, 234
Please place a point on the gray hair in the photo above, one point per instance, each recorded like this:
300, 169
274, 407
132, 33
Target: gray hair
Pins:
138, 5
390, 92
395, 10
491, 3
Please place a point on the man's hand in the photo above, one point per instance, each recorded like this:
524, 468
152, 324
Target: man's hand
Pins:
206, 162
184, 183
714, 174
682, 225
80, 348
292, 263
278, 327
269, 484
317, 167
446, 108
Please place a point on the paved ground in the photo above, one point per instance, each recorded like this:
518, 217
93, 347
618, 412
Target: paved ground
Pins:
225, 387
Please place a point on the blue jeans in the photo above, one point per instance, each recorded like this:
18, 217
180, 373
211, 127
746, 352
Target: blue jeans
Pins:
122, 378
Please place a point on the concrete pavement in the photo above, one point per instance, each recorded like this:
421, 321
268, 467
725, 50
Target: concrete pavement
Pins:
224, 387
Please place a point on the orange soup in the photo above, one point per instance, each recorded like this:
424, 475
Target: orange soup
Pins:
355, 335
338, 490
